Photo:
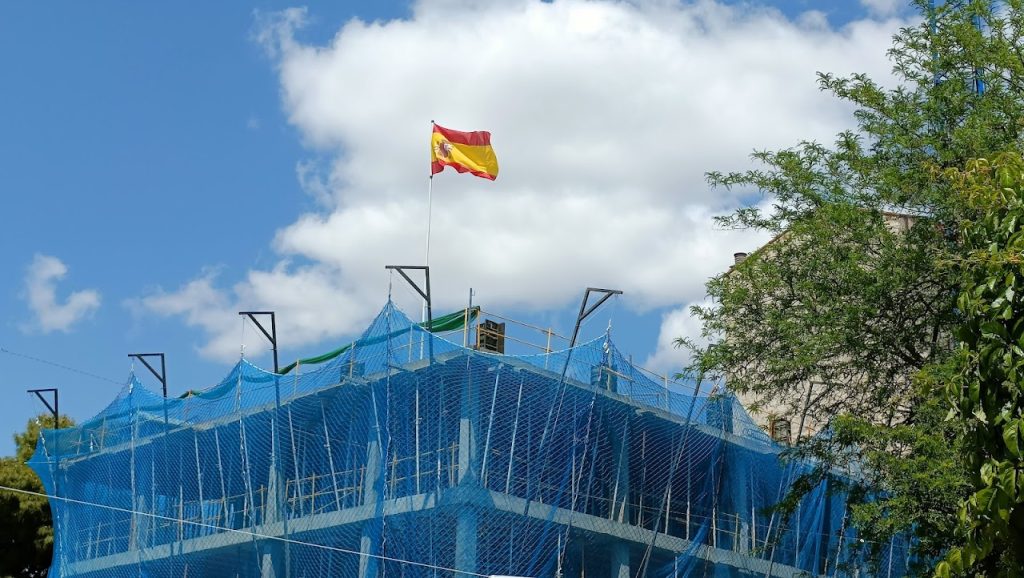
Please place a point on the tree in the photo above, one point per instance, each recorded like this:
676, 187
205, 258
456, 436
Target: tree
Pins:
847, 321
26, 532
985, 381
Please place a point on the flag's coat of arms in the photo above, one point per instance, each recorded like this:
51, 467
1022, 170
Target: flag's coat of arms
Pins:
443, 149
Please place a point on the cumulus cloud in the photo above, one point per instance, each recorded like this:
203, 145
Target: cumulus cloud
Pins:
884, 7
605, 116
40, 292
675, 324
201, 304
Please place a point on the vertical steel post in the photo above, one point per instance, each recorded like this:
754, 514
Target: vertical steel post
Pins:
547, 349
417, 426
162, 376
271, 336
281, 488
424, 294
55, 411
465, 325
273, 331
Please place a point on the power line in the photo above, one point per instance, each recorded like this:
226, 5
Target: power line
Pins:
244, 532
60, 365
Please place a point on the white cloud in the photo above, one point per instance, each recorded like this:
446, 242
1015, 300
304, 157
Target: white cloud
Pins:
604, 115
41, 279
201, 305
310, 304
677, 323
884, 8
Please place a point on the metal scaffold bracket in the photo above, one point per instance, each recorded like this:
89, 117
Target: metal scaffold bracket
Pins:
585, 312
270, 335
54, 407
160, 375
424, 294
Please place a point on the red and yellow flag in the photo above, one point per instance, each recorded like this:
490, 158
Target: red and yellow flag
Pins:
466, 152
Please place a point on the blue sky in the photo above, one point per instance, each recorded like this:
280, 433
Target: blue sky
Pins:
196, 158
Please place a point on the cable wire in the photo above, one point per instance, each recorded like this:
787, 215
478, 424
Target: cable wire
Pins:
254, 535
60, 365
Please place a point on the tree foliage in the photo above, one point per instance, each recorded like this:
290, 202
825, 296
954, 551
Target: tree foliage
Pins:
985, 386
26, 531
847, 319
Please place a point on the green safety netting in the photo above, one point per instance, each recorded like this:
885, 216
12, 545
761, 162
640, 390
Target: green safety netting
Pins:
451, 322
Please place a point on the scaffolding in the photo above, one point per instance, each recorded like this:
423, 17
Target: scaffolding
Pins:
394, 459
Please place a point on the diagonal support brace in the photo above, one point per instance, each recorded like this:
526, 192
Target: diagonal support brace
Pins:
424, 294
270, 335
54, 408
585, 312
160, 375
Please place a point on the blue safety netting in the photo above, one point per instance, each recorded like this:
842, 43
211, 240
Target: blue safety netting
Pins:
413, 456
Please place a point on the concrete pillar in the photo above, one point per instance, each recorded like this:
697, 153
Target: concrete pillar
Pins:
619, 432
371, 480
619, 554
466, 528
272, 560
572, 564
274, 554
469, 434
267, 566
272, 508
825, 531
719, 413
369, 541
469, 475
619, 551
277, 554
373, 494
369, 547
141, 523
734, 522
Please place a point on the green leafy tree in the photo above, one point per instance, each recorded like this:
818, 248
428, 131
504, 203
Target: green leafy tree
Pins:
985, 382
26, 531
846, 320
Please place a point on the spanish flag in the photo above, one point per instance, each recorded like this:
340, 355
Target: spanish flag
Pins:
466, 152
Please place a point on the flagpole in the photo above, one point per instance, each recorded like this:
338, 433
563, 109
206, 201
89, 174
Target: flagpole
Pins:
430, 190
430, 194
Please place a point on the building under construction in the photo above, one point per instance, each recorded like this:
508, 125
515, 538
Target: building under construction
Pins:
406, 454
